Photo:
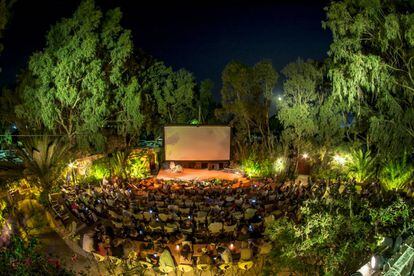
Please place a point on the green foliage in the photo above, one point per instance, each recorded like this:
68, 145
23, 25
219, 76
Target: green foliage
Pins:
3, 209
396, 174
361, 165
122, 164
371, 68
246, 96
297, 110
21, 258
45, 157
255, 166
118, 163
310, 116
79, 78
5, 139
168, 96
100, 169
138, 167
393, 220
317, 244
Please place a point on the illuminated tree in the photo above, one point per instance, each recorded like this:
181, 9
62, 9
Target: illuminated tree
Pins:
313, 121
300, 96
372, 68
265, 79
79, 78
168, 96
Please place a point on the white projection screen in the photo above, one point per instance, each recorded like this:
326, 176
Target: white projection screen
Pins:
197, 143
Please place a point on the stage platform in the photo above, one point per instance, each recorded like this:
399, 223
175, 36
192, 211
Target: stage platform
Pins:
199, 174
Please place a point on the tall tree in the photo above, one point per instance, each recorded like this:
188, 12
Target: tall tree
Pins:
80, 81
298, 110
372, 68
265, 78
246, 98
169, 96
235, 98
311, 118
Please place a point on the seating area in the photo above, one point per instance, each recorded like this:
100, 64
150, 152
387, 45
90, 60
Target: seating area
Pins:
154, 224
146, 215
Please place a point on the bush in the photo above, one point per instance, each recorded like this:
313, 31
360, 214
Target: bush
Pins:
99, 169
254, 166
331, 238
138, 167
21, 258
396, 174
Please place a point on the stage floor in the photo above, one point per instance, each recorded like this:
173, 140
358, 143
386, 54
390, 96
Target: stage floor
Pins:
199, 174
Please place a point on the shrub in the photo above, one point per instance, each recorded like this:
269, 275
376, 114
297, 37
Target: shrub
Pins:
316, 245
138, 167
361, 165
44, 157
21, 258
395, 175
99, 169
255, 167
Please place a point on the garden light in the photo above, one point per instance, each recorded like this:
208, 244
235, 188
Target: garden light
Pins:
305, 155
339, 159
377, 262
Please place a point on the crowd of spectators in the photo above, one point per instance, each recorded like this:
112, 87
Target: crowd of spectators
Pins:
168, 218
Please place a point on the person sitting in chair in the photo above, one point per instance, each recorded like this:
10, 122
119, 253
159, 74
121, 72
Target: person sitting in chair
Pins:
204, 258
225, 255
166, 260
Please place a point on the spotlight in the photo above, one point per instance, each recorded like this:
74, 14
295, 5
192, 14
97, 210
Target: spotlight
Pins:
339, 159
305, 155
377, 262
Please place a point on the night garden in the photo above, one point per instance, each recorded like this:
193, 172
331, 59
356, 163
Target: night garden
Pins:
287, 151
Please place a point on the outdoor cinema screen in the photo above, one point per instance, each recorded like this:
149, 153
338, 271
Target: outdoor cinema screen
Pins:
197, 143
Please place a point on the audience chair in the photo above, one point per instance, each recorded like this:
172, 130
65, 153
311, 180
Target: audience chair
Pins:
185, 268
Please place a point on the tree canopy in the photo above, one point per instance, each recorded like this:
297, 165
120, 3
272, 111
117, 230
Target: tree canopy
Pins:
372, 68
246, 97
79, 78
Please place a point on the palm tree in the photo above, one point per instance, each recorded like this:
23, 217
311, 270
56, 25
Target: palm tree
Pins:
361, 165
44, 157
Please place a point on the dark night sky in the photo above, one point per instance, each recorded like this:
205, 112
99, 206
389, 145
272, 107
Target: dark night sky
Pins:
201, 37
